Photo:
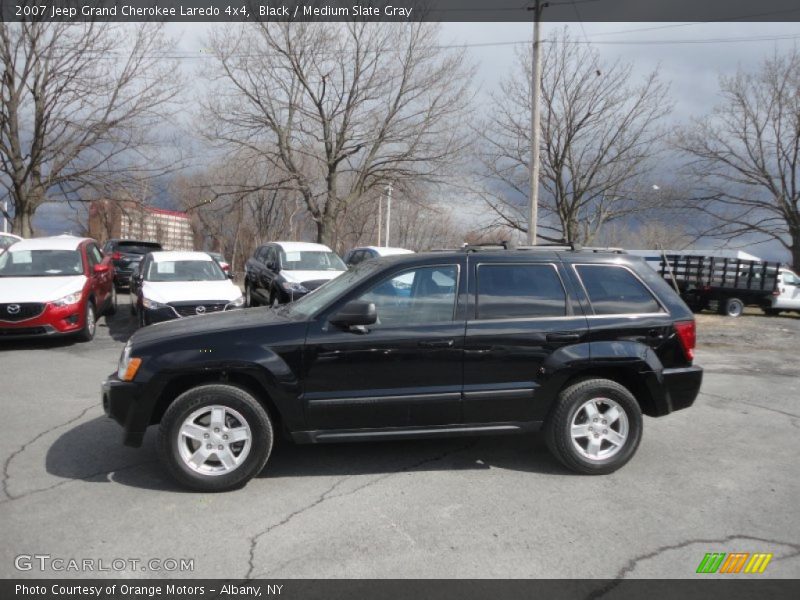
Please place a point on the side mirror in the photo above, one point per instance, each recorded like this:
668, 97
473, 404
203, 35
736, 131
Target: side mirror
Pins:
229, 274
355, 313
100, 269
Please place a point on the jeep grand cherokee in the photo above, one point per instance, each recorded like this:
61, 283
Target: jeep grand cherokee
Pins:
577, 343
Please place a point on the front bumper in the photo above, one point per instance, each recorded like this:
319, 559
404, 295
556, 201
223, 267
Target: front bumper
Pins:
123, 402
53, 321
682, 385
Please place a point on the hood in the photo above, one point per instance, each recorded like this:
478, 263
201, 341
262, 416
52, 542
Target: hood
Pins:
187, 291
246, 318
39, 289
301, 276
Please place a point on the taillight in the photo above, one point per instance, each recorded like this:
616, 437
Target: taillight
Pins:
116, 256
687, 334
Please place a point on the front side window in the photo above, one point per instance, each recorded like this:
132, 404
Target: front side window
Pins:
614, 290
520, 291
415, 297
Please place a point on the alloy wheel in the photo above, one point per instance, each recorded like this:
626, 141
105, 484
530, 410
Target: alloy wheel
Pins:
214, 440
599, 429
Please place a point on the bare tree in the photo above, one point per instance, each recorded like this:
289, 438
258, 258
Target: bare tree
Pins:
600, 132
745, 156
78, 102
335, 111
233, 209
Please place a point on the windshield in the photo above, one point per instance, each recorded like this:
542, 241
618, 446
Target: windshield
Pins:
311, 304
184, 270
40, 263
311, 261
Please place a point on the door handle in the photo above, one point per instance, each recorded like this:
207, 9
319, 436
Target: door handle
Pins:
563, 336
437, 343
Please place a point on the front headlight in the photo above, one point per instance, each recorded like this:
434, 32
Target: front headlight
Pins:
68, 299
126, 370
290, 286
152, 304
238, 303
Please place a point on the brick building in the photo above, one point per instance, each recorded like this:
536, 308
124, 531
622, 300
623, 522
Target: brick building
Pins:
130, 220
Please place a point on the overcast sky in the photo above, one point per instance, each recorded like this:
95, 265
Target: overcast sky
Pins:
691, 56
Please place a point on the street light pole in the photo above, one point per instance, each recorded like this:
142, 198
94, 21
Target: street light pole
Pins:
388, 211
536, 92
5, 217
380, 217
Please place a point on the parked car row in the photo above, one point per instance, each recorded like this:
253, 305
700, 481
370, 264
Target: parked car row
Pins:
54, 286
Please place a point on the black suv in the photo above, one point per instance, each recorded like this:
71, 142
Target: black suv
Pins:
579, 343
126, 255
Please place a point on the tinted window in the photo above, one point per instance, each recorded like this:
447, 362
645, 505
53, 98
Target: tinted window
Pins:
518, 291
615, 290
415, 297
137, 247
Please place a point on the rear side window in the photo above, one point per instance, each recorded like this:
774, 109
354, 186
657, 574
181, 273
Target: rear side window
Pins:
616, 291
519, 291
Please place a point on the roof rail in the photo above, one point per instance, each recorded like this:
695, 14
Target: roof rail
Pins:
505, 245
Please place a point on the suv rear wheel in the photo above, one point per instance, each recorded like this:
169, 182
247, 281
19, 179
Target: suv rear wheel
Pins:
595, 426
215, 438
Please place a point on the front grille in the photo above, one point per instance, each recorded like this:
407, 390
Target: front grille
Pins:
22, 331
189, 309
21, 311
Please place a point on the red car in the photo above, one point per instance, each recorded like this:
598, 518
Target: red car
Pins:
55, 286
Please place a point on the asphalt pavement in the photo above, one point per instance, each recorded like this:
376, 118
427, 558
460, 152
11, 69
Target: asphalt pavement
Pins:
718, 477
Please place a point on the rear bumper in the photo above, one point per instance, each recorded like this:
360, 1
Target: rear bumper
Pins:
682, 386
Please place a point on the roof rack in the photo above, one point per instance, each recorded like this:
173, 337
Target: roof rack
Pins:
506, 245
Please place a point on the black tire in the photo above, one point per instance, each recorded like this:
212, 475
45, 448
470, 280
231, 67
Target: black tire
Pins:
90, 323
140, 319
567, 407
111, 309
248, 296
274, 299
733, 307
228, 396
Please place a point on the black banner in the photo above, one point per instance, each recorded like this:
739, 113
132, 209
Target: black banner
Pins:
400, 589
401, 10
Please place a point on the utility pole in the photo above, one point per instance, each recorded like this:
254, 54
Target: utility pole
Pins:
536, 92
388, 211
380, 218
5, 216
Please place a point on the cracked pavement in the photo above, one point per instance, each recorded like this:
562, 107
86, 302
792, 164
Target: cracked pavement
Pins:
719, 477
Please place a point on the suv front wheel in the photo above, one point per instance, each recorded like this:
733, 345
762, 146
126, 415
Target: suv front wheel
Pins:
595, 426
215, 438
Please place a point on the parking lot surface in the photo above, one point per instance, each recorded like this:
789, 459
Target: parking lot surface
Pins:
718, 477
